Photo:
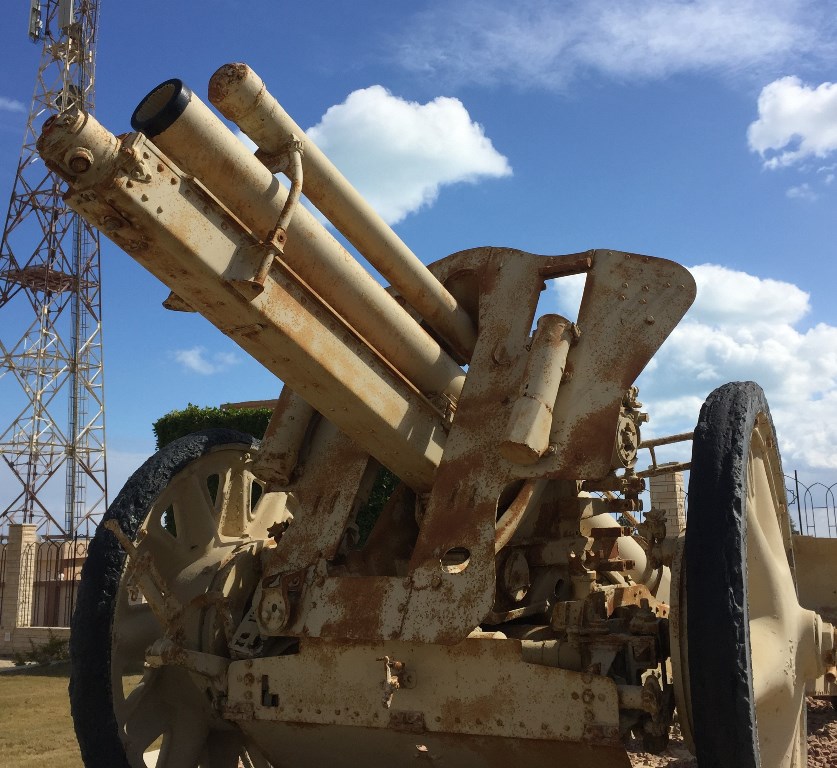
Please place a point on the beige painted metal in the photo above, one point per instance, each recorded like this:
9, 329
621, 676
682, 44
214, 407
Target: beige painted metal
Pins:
816, 580
527, 435
786, 640
203, 146
241, 96
279, 450
496, 604
171, 226
678, 623
213, 556
443, 691
789, 644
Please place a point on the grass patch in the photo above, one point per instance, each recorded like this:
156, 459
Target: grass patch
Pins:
35, 727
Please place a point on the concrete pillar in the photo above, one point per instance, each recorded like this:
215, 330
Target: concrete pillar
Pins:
667, 493
20, 575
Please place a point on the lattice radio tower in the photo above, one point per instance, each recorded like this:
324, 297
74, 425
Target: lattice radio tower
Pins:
50, 306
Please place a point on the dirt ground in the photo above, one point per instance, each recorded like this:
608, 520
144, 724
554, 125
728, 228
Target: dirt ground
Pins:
822, 743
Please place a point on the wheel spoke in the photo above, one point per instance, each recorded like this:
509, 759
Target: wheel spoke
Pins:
778, 726
270, 509
194, 514
143, 717
234, 501
135, 629
223, 749
126, 706
769, 588
184, 744
169, 556
255, 757
773, 675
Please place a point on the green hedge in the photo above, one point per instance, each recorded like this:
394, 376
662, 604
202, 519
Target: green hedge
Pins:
193, 418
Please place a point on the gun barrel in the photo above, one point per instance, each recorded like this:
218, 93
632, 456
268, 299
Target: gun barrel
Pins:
183, 127
241, 96
183, 235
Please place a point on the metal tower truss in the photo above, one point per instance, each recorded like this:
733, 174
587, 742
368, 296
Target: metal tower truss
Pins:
51, 374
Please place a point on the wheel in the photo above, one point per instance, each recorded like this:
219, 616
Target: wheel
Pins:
750, 645
201, 488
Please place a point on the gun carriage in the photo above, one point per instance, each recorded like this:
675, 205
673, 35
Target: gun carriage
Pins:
498, 611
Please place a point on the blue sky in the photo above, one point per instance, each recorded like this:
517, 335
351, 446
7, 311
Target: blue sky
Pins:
701, 131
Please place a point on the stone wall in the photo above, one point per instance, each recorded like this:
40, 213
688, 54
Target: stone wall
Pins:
667, 493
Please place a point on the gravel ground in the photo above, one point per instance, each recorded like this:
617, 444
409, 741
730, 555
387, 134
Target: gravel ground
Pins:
822, 743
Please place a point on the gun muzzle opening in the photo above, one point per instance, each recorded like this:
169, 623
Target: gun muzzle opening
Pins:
161, 108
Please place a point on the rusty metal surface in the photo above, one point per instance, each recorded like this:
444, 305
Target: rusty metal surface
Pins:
171, 226
398, 649
437, 603
631, 303
202, 146
331, 685
297, 745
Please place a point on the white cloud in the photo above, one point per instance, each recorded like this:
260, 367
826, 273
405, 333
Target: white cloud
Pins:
796, 122
803, 191
542, 43
196, 360
400, 153
743, 327
11, 105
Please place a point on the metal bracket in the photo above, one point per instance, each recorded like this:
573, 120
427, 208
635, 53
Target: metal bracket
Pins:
130, 160
289, 161
275, 609
396, 677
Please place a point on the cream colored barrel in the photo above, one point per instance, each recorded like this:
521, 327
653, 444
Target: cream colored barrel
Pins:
182, 126
240, 95
164, 219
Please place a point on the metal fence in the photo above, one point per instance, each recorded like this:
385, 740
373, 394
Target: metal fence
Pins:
2, 577
813, 508
56, 573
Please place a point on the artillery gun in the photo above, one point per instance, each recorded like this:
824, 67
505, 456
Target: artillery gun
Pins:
498, 611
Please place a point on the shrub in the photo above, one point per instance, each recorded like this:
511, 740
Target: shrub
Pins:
54, 649
193, 418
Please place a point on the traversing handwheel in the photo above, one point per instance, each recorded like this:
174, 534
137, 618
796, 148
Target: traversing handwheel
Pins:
750, 646
191, 508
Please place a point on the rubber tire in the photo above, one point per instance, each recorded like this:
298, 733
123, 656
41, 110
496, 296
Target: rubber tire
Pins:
718, 632
91, 698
